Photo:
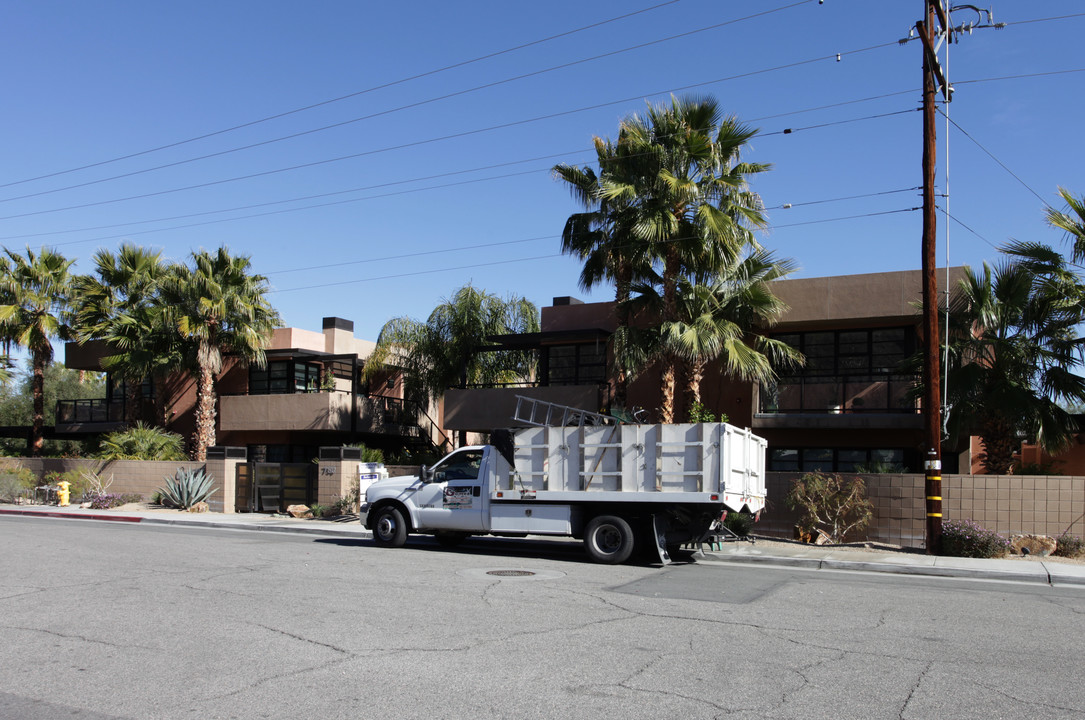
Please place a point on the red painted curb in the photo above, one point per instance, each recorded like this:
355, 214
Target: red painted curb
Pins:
77, 516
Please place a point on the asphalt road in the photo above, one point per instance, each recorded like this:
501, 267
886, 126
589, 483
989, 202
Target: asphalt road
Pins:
110, 620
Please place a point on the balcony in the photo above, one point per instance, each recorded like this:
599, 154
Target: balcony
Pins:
293, 411
97, 415
318, 411
839, 402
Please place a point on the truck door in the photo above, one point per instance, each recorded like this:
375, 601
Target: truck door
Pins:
453, 498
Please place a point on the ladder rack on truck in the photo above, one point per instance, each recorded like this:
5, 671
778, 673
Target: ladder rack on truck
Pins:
541, 413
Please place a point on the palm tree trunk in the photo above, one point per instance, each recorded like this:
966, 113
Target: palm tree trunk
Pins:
695, 373
999, 444
667, 385
204, 436
132, 396
37, 389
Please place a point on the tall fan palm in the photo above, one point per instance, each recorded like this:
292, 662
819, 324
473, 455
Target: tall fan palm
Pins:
119, 306
1014, 345
218, 307
35, 309
673, 193
693, 209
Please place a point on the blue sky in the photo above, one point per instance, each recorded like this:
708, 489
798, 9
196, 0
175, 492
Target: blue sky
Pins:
428, 184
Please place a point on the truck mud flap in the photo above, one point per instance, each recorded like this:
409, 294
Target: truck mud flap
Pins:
659, 534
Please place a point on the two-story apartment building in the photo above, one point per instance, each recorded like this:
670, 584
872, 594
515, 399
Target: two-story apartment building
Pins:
848, 407
310, 394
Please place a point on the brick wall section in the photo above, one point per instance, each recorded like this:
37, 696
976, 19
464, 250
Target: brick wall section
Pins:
1008, 504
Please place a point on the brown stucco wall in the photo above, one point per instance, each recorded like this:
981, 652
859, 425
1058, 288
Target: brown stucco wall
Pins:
1008, 504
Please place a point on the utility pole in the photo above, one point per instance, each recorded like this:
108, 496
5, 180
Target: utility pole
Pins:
934, 29
933, 23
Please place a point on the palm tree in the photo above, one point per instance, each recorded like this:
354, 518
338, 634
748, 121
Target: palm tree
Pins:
725, 319
35, 292
722, 316
686, 200
1073, 224
602, 239
449, 349
119, 306
217, 307
1014, 345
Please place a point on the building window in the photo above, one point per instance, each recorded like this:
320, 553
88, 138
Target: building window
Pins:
284, 376
846, 371
576, 364
845, 460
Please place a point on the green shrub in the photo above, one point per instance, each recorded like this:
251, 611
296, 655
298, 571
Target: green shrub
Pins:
186, 488
739, 523
15, 484
964, 538
830, 503
1069, 546
143, 443
369, 454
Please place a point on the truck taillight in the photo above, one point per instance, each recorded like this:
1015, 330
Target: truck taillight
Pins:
714, 497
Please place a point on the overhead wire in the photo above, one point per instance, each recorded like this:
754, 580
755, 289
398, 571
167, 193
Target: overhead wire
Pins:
352, 200
454, 172
400, 108
551, 256
322, 103
417, 143
993, 157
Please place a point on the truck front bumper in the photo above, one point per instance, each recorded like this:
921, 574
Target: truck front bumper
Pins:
363, 513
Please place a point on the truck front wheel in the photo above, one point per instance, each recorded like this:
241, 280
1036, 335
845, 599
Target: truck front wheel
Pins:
389, 528
608, 539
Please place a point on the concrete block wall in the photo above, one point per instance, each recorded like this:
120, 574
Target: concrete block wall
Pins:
140, 477
1008, 504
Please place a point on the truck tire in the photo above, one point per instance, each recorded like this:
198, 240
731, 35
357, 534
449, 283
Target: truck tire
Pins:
608, 539
389, 527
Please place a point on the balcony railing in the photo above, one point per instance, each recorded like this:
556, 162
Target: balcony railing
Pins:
98, 410
840, 394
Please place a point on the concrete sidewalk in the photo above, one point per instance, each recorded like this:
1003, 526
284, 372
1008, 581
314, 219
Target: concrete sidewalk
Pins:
769, 552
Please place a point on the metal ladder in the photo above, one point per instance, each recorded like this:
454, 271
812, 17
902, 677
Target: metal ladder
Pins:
541, 413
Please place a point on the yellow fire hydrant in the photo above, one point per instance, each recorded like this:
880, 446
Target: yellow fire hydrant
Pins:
63, 493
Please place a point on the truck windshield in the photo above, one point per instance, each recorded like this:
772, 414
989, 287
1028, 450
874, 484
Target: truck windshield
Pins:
463, 465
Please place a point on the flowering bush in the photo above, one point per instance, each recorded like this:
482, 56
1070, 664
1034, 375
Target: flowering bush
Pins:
1069, 546
112, 500
964, 538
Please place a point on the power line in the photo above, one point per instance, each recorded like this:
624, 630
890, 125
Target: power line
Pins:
338, 202
322, 103
474, 265
400, 108
466, 133
992, 156
788, 206
966, 227
848, 217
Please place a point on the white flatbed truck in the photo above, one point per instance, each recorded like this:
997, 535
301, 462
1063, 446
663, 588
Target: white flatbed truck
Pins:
614, 486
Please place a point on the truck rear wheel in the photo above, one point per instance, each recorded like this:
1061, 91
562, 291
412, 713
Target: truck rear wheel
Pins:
608, 539
389, 528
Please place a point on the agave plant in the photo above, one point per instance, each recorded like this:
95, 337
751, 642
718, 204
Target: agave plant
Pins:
186, 488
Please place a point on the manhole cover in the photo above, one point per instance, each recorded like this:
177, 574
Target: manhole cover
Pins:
510, 573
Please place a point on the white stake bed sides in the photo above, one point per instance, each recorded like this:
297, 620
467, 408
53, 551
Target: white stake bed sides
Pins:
638, 463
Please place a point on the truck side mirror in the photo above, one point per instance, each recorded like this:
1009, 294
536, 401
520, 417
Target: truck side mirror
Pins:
426, 474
